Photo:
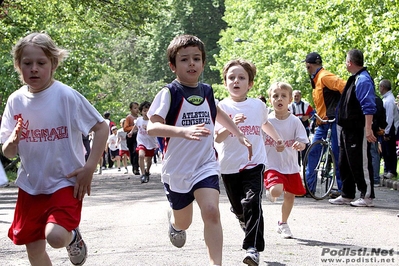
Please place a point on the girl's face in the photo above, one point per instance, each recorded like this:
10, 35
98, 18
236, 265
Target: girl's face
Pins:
189, 66
36, 68
237, 83
280, 99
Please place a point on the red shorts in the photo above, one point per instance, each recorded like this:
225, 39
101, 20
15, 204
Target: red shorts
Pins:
122, 152
34, 212
148, 153
292, 182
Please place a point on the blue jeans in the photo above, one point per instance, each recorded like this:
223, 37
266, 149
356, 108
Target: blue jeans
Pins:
314, 155
376, 159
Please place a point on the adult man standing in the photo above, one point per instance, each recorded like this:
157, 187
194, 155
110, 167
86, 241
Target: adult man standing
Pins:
303, 110
327, 89
389, 140
355, 116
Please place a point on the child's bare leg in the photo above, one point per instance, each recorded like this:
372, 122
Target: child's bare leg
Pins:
141, 161
37, 253
57, 236
118, 161
286, 208
124, 160
148, 163
276, 190
182, 219
208, 201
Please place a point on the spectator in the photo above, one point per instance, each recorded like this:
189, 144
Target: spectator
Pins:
327, 89
389, 139
303, 110
378, 126
355, 116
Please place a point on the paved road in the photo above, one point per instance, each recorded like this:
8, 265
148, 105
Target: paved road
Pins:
124, 223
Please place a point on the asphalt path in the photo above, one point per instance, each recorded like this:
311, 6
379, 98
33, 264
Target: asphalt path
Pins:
124, 223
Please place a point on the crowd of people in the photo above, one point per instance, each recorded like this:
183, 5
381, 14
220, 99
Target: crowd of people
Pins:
238, 139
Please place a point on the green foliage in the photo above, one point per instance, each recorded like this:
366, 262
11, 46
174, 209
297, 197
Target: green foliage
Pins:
280, 33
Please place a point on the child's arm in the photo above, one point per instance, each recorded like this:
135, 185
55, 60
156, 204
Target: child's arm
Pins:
84, 175
299, 146
157, 128
134, 129
225, 121
223, 133
271, 131
10, 147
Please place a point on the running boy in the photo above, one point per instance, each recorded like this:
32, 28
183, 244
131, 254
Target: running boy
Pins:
146, 144
43, 122
243, 178
184, 112
123, 149
282, 174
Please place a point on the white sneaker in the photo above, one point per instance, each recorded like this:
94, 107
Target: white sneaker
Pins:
284, 230
177, 238
340, 201
251, 257
367, 202
269, 196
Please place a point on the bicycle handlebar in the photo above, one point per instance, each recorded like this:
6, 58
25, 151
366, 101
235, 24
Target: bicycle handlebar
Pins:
324, 120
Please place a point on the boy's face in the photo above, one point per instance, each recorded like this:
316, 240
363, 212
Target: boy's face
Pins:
189, 66
237, 83
36, 68
135, 109
280, 99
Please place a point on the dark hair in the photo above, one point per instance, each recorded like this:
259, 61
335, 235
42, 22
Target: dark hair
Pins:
107, 114
131, 104
249, 67
183, 41
356, 57
143, 105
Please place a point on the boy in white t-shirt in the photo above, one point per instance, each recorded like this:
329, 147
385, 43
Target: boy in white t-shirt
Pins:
43, 122
184, 113
113, 146
146, 144
282, 174
123, 148
243, 178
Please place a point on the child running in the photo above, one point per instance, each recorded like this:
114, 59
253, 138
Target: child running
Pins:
282, 174
184, 112
243, 178
43, 122
146, 144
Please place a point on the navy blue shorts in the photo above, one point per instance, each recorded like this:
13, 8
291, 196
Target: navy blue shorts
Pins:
179, 201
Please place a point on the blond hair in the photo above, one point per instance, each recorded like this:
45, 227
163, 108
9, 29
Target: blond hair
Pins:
280, 85
42, 40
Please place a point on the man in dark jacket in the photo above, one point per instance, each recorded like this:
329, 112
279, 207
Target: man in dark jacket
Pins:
355, 116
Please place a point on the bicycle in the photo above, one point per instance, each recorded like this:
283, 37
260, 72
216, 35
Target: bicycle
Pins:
324, 172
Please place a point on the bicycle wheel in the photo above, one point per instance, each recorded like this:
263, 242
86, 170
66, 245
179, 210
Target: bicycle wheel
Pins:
319, 170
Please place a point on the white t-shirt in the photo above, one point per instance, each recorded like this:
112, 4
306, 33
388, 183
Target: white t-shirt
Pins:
186, 162
113, 142
233, 156
143, 138
51, 140
290, 130
122, 140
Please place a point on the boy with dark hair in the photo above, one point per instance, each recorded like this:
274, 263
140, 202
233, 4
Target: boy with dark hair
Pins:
184, 113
